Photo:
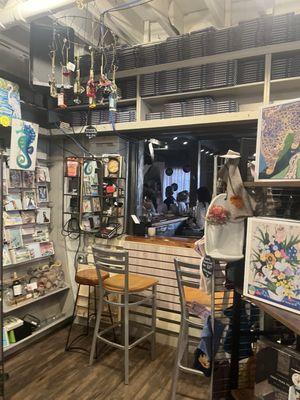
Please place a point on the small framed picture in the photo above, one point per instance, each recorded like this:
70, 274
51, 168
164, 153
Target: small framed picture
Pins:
42, 194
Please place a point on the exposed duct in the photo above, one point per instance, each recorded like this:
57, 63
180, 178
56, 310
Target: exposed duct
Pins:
30, 9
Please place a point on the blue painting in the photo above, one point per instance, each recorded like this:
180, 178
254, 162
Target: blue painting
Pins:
9, 102
23, 145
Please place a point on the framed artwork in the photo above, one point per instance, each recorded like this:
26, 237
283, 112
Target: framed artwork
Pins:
42, 194
9, 102
278, 142
272, 264
23, 145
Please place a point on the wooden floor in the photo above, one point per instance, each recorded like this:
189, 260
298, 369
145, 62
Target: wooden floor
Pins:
44, 371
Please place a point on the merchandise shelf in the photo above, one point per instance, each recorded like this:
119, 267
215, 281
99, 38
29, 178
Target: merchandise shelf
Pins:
287, 318
35, 335
32, 260
25, 303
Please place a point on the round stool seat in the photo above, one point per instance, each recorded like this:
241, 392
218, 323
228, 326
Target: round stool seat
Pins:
89, 276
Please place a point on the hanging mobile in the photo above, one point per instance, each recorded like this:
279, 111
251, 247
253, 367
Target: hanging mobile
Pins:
77, 88
91, 85
113, 95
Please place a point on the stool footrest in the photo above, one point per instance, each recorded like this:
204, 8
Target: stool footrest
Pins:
190, 370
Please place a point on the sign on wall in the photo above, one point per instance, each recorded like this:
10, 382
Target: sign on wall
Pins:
23, 146
9, 102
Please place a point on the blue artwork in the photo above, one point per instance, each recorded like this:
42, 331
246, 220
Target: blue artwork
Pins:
9, 102
24, 136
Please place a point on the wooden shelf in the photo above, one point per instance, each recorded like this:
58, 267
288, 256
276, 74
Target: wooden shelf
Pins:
243, 394
272, 184
85, 107
8, 309
249, 88
34, 336
287, 318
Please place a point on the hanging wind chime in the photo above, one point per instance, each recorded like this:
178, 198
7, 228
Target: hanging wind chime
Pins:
91, 85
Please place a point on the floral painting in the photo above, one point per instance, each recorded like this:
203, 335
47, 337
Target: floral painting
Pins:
9, 102
278, 142
23, 145
272, 265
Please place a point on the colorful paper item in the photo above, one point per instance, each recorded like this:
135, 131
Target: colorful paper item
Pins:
9, 102
23, 147
272, 265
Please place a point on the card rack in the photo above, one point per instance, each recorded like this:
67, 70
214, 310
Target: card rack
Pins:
94, 196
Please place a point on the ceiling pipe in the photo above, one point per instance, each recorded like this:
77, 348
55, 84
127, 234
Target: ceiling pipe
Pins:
30, 9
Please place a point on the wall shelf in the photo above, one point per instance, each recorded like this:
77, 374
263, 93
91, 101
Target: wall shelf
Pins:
247, 88
272, 184
32, 260
34, 336
25, 303
287, 318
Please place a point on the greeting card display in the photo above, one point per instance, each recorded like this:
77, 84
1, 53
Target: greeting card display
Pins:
23, 145
15, 178
42, 174
28, 179
14, 237
29, 200
272, 266
278, 138
43, 215
42, 194
12, 202
28, 217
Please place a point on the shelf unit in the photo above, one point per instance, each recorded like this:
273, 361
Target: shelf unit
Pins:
11, 349
250, 96
287, 318
25, 303
32, 260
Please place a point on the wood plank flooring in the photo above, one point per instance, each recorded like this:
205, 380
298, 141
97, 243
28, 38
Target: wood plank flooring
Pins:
44, 371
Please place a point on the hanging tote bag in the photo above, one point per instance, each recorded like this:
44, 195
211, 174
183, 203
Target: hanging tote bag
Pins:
224, 238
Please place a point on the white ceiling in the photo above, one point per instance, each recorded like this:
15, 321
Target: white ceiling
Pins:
150, 22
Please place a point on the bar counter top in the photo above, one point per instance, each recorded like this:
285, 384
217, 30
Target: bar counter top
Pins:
163, 241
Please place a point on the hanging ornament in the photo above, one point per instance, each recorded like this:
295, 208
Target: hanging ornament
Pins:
52, 81
61, 98
68, 67
113, 95
77, 88
91, 85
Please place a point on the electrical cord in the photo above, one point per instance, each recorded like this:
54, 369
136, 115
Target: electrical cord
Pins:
71, 229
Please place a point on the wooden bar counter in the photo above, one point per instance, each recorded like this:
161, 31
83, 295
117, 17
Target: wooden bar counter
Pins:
155, 257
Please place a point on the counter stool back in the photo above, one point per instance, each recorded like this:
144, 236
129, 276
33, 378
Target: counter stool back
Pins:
188, 281
123, 284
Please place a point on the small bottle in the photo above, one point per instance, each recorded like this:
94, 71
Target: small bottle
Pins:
16, 286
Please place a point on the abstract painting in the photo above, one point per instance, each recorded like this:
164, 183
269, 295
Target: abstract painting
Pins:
272, 264
23, 146
9, 102
278, 142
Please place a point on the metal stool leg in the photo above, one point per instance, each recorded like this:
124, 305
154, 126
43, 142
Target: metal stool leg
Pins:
73, 318
126, 338
96, 330
153, 324
179, 354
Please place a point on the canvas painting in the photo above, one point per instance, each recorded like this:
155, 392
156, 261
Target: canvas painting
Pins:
9, 102
42, 194
278, 142
272, 264
23, 145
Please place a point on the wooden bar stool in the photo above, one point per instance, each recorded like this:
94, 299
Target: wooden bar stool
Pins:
90, 278
123, 284
188, 281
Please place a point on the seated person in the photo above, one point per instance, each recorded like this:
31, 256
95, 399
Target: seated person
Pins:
148, 206
169, 197
182, 202
204, 199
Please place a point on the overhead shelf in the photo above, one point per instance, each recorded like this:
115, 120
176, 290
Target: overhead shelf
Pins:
287, 318
183, 122
28, 302
232, 55
249, 88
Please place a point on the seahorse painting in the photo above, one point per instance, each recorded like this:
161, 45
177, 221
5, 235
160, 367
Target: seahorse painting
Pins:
278, 150
9, 102
24, 138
